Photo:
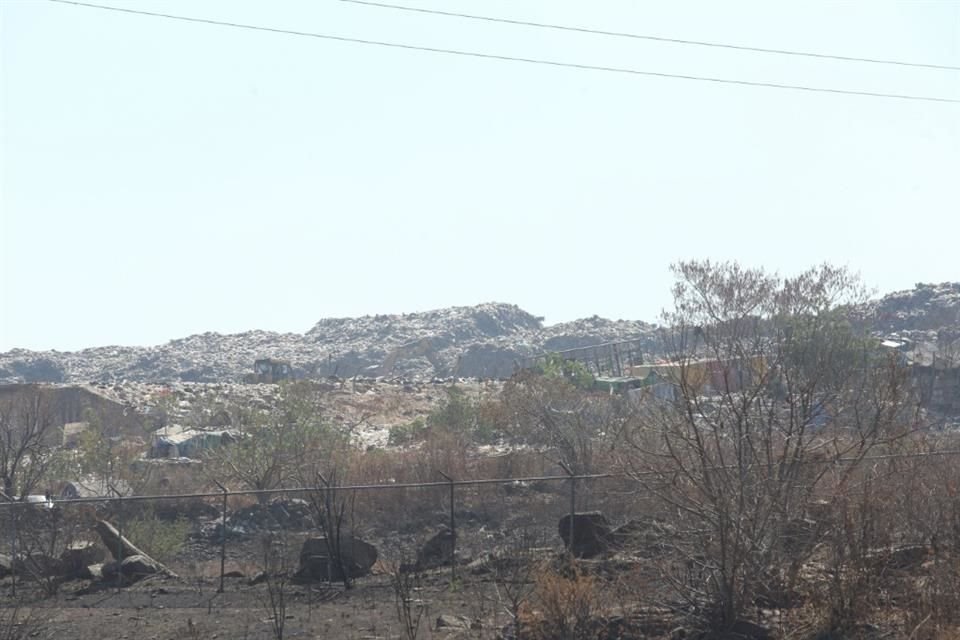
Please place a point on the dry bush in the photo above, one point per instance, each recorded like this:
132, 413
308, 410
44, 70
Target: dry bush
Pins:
43, 536
568, 605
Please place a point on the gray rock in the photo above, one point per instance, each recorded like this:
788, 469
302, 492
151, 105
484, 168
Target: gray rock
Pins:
438, 551
92, 572
591, 533
78, 557
132, 569
357, 558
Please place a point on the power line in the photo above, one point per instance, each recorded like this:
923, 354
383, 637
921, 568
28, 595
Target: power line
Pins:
637, 36
539, 61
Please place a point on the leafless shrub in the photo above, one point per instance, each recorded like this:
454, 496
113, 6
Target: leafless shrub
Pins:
768, 390
276, 572
407, 584
514, 578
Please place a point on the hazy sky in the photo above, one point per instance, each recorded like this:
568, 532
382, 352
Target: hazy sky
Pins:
163, 178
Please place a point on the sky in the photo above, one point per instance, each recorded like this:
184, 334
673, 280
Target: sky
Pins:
162, 178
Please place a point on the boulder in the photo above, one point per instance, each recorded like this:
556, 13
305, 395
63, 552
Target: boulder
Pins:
78, 556
132, 569
6, 565
438, 551
92, 572
591, 534
357, 558
123, 550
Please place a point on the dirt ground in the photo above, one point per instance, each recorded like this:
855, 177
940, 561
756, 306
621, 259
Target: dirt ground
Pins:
168, 608
188, 606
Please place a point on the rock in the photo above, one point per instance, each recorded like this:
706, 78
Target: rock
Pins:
79, 556
93, 572
437, 552
234, 574
591, 533
357, 558
448, 621
6, 566
132, 569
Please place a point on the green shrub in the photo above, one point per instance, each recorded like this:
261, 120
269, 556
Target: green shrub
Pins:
411, 432
160, 539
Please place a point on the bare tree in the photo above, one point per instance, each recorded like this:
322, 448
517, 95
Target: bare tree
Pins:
335, 513
552, 414
771, 388
27, 439
287, 444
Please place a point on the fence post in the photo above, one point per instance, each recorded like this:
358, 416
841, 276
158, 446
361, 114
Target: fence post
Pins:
573, 503
223, 535
119, 537
13, 543
453, 528
332, 545
13, 550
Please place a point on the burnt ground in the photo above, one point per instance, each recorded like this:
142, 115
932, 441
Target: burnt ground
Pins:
491, 527
164, 608
508, 543
169, 608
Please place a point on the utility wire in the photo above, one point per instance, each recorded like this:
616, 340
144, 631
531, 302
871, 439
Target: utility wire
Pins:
491, 56
637, 36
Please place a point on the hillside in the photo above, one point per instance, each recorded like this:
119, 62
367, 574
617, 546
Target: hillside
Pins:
483, 341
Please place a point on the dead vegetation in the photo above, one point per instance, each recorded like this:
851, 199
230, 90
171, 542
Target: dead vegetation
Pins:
773, 479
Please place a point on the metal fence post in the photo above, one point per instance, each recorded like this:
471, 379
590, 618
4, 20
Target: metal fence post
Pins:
13, 549
223, 535
119, 537
573, 503
453, 528
13, 543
